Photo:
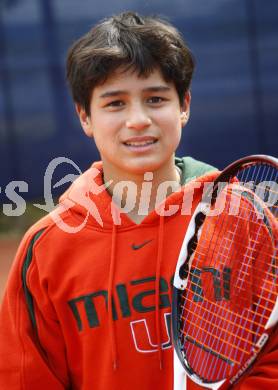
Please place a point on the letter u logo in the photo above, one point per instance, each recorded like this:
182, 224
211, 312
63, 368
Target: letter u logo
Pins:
143, 340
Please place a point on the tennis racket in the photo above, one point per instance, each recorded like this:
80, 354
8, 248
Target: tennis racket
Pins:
225, 306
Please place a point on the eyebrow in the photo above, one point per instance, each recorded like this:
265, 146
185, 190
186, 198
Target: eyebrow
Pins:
159, 88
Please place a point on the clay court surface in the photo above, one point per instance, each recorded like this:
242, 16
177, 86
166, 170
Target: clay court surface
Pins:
8, 247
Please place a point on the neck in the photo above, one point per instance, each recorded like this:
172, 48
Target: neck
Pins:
138, 194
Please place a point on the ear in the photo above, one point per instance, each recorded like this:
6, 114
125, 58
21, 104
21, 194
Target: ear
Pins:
85, 120
185, 109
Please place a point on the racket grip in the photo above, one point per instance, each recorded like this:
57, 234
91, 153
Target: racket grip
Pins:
179, 374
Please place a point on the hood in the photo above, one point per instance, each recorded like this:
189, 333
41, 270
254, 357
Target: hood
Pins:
88, 200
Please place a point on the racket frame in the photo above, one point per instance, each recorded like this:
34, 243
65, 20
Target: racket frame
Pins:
180, 284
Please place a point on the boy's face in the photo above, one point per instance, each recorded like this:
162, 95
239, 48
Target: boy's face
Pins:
136, 123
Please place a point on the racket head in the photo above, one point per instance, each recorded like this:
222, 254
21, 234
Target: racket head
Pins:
225, 305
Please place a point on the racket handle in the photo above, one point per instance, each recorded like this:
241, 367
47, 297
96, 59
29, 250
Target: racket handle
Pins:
179, 374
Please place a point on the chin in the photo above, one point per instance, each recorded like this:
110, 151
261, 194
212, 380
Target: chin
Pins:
141, 168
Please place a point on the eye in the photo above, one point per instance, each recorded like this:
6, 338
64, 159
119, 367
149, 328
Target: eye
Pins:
156, 99
115, 104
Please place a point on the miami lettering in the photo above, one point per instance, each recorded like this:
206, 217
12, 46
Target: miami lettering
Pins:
88, 309
92, 302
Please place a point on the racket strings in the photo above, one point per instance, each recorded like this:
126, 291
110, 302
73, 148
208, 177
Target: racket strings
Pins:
271, 273
226, 347
219, 338
216, 339
234, 211
264, 189
270, 290
221, 328
274, 267
242, 266
252, 240
255, 278
213, 326
202, 297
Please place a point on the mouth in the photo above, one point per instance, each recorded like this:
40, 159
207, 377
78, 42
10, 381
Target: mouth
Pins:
140, 142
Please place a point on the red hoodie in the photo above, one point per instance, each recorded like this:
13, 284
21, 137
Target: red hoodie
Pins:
86, 308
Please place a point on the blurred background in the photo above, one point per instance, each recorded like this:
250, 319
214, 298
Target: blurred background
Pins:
234, 92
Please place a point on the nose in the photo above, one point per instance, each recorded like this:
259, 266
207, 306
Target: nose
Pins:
138, 119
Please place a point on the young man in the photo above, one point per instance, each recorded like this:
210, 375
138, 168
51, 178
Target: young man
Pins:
89, 297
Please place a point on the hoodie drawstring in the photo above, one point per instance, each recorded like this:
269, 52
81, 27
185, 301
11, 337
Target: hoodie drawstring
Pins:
110, 292
157, 288
157, 294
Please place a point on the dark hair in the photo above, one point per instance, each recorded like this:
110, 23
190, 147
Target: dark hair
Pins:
142, 43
